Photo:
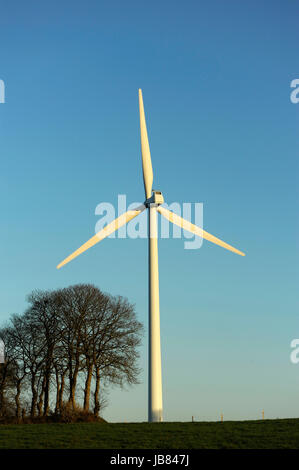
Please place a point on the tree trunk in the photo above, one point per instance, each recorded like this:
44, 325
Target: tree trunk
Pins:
87, 387
97, 394
57, 390
73, 384
34, 396
47, 389
60, 399
17, 399
41, 397
3, 370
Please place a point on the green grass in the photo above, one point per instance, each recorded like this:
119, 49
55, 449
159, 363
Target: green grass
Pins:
267, 434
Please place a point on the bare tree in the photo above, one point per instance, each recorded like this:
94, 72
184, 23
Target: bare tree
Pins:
43, 316
73, 303
100, 335
6, 377
28, 337
17, 364
115, 351
69, 337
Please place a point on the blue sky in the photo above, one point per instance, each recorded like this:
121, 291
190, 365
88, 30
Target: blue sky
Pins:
216, 86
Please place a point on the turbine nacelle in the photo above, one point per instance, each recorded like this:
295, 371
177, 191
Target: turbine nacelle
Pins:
157, 199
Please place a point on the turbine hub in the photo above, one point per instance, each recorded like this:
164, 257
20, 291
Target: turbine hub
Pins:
157, 199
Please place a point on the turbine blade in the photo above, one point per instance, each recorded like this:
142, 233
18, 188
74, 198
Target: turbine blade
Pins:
105, 232
177, 220
145, 152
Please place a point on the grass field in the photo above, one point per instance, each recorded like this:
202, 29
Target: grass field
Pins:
267, 434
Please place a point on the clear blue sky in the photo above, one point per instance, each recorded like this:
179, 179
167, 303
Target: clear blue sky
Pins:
216, 85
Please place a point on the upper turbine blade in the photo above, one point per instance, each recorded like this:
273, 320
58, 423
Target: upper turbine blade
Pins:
176, 219
105, 232
145, 151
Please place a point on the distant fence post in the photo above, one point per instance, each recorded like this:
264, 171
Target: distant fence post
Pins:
221, 417
2, 352
2, 92
263, 414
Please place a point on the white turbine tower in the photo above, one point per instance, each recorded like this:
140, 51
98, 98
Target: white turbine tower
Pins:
153, 202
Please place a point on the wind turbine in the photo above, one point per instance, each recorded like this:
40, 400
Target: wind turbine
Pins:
152, 203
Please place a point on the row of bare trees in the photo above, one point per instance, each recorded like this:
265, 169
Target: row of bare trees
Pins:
68, 341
